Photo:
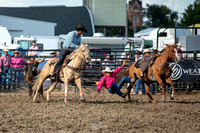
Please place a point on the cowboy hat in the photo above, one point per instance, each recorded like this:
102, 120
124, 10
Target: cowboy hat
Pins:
107, 70
179, 44
146, 51
5, 50
53, 52
137, 52
81, 27
16, 51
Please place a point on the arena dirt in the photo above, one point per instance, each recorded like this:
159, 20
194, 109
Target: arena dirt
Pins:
99, 113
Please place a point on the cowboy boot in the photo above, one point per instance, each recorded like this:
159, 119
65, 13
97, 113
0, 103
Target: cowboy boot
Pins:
125, 94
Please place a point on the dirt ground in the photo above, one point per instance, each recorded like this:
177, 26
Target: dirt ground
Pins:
99, 113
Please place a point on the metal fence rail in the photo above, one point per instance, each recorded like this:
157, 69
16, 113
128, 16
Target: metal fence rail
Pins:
100, 58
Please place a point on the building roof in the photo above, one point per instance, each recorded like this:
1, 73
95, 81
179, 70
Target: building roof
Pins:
144, 32
67, 18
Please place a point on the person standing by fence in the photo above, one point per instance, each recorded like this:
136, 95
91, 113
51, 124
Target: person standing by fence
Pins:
0, 74
17, 65
5, 68
33, 47
138, 81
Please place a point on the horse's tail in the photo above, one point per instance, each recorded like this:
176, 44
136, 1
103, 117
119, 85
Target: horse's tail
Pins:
35, 82
124, 72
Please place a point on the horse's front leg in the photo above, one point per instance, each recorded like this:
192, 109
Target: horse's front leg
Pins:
148, 93
78, 83
169, 81
162, 85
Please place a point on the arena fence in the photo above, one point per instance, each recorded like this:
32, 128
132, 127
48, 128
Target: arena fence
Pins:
101, 58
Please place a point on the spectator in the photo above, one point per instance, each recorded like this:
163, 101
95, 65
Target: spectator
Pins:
138, 81
5, 68
128, 48
33, 47
0, 73
17, 65
107, 62
179, 50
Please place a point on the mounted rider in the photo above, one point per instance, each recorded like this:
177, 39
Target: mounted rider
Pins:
146, 58
71, 43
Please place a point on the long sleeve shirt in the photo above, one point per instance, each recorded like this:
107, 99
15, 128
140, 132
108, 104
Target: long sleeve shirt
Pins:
33, 53
106, 81
17, 62
72, 41
5, 61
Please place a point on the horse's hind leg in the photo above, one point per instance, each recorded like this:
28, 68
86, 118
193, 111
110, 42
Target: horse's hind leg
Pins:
78, 83
39, 84
53, 85
148, 93
169, 81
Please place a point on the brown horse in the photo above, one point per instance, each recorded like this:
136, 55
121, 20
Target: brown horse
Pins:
159, 71
68, 73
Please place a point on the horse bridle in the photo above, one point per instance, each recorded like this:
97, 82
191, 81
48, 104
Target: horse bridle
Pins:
83, 62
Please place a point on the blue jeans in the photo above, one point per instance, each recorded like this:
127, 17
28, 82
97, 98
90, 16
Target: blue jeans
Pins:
6, 75
16, 76
138, 83
61, 59
115, 88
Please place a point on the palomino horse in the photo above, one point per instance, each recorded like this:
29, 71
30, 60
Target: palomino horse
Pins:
159, 71
69, 73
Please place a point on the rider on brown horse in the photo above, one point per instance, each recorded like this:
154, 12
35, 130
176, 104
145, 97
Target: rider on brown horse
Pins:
71, 43
146, 58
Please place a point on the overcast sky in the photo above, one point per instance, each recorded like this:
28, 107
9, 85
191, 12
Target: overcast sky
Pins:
177, 5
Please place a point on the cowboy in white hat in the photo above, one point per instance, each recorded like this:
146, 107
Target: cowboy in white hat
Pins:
108, 81
5, 68
145, 61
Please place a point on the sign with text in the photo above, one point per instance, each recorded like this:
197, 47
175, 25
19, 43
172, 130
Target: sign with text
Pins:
187, 71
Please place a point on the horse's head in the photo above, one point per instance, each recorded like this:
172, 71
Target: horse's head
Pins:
86, 51
172, 52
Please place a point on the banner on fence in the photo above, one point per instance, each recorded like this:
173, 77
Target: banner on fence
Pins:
187, 71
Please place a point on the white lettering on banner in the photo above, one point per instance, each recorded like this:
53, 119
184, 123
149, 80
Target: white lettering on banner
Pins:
178, 71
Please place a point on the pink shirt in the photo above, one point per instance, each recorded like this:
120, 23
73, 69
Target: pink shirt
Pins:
5, 60
17, 62
33, 53
106, 81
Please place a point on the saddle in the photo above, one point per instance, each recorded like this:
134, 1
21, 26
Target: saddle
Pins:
139, 63
66, 61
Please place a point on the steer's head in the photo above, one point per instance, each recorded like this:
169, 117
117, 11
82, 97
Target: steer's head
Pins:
33, 64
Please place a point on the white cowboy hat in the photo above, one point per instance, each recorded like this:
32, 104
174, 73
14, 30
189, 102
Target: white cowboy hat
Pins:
16, 51
107, 70
5, 50
146, 51
179, 44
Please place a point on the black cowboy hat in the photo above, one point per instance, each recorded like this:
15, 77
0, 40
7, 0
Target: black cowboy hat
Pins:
137, 52
81, 27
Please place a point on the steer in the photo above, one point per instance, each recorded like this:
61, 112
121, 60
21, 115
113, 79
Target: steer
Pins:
31, 72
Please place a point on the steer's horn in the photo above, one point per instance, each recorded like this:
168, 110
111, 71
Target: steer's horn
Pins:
41, 60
